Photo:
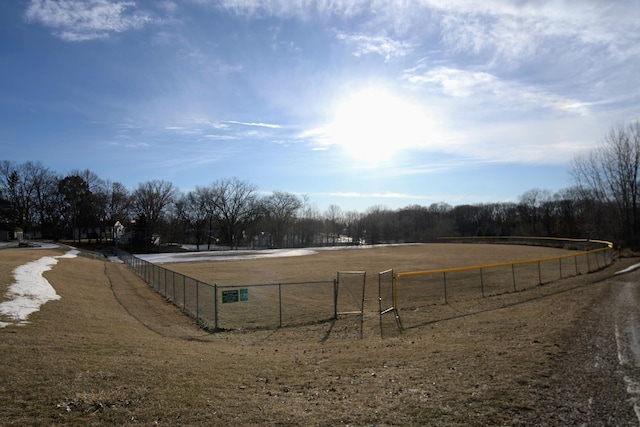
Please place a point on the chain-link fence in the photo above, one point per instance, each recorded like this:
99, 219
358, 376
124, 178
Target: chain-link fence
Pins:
418, 297
251, 306
409, 298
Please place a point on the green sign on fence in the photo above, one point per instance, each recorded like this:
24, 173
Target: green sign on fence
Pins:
235, 296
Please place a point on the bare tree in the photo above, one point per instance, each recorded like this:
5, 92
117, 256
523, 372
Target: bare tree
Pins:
152, 199
373, 222
609, 175
354, 226
206, 199
235, 208
281, 209
97, 219
441, 221
193, 212
118, 202
24, 186
78, 204
569, 213
309, 223
333, 223
530, 207
150, 203
48, 201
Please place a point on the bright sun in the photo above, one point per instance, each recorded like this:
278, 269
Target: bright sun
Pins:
372, 125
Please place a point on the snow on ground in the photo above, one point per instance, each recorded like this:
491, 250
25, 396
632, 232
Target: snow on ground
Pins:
224, 255
242, 254
32, 245
162, 258
628, 269
30, 290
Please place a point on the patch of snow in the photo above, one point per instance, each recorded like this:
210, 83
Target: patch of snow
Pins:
628, 269
30, 290
162, 258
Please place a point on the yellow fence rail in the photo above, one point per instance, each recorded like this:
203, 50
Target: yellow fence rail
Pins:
416, 297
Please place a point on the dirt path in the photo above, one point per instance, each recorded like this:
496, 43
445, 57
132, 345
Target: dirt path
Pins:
147, 307
596, 378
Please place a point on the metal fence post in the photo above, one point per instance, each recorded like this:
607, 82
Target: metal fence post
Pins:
481, 283
513, 273
215, 306
444, 283
560, 262
280, 303
173, 288
539, 274
335, 298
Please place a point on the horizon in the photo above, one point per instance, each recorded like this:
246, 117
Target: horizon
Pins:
352, 103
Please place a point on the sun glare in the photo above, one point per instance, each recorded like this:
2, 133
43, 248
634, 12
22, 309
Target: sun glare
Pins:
372, 126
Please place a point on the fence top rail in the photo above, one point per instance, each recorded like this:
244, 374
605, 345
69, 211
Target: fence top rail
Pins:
251, 285
529, 238
502, 264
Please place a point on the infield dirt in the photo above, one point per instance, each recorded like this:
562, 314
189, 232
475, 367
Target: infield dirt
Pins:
112, 351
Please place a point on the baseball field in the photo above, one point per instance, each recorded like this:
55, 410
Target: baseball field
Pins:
112, 351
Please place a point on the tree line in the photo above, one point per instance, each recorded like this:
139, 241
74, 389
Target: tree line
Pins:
230, 212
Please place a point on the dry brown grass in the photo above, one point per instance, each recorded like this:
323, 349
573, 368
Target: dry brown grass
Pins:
326, 263
111, 351
272, 306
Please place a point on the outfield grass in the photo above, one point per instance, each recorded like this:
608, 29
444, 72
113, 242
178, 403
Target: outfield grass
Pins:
312, 298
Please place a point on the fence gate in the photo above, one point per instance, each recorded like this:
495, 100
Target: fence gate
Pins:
349, 295
387, 301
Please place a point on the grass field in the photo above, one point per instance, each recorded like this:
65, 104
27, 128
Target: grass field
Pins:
112, 351
312, 297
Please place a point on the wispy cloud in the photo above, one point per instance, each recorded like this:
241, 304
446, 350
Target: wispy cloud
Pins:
506, 30
292, 8
220, 137
381, 45
194, 54
82, 20
460, 83
384, 195
126, 144
264, 125
516, 30
184, 130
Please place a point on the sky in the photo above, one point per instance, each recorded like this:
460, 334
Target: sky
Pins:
355, 103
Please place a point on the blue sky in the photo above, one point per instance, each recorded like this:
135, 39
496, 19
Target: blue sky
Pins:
357, 103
